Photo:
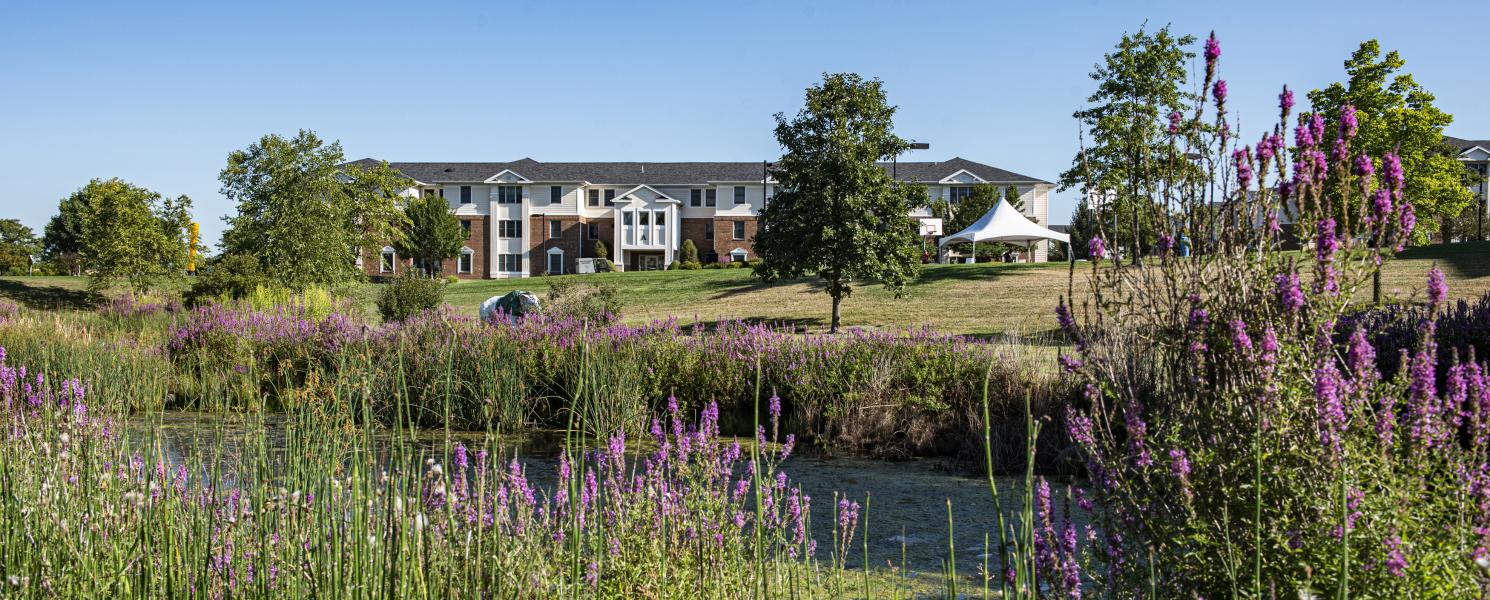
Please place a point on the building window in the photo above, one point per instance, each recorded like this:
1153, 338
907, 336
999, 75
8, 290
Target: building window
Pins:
610, 197
958, 193
442, 192
626, 228
510, 263
388, 261
709, 232
555, 230
463, 264
592, 231
643, 223
509, 194
509, 228
465, 194
659, 221
695, 198
594, 195
555, 261
429, 192
739, 195
710, 197
465, 227
555, 194
738, 255
739, 230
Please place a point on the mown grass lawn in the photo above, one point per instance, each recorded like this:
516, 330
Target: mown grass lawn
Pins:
988, 298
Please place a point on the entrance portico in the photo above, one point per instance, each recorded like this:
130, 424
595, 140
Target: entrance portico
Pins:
646, 232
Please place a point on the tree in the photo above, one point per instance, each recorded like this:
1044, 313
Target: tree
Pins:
1011, 195
433, 234
303, 214
62, 239
1395, 114
689, 252
18, 244
1138, 86
1084, 227
133, 234
837, 213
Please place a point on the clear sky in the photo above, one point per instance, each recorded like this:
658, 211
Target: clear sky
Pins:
159, 94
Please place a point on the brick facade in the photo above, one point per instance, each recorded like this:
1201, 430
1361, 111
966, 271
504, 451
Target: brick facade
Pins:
724, 236
570, 240
480, 228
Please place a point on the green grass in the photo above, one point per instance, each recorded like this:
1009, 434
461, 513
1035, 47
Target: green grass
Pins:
981, 299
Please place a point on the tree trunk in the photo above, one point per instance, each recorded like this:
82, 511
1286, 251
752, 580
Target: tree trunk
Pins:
837, 299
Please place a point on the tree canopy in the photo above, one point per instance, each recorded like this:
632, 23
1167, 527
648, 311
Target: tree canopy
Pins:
130, 233
18, 243
1139, 85
302, 213
1396, 114
837, 214
433, 234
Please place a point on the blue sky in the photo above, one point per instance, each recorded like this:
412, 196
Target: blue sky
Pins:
159, 94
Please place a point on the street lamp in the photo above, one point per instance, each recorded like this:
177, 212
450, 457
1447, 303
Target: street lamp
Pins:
895, 160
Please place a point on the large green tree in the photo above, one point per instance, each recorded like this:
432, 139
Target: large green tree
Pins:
433, 234
837, 213
131, 234
18, 243
302, 213
1139, 84
1084, 227
62, 239
1395, 114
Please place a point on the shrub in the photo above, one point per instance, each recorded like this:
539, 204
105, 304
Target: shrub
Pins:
227, 277
690, 266
689, 252
733, 265
675, 265
600, 250
714, 265
583, 301
408, 295
451, 280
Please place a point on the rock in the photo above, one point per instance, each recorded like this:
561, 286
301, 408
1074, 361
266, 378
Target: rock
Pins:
512, 305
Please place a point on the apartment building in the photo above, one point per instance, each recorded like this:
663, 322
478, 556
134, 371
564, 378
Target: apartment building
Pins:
1475, 154
527, 217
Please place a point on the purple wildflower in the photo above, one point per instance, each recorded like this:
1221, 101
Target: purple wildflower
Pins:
1218, 92
1348, 124
1437, 288
1285, 102
1096, 248
1212, 52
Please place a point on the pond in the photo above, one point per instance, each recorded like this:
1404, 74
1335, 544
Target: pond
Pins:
908, 501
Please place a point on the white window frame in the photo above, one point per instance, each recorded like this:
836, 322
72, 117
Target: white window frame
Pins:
737, 225
501, 230
742, 196
466, 260
390, 265
517, 258
739, 255
517, 194
548, 262
555, 230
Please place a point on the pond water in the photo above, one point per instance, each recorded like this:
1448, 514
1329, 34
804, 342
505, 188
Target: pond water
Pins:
907, 519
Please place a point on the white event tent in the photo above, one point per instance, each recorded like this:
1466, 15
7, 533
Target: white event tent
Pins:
1003, 223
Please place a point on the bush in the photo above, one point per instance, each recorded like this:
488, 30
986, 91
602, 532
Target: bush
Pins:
451, 280
570, 298
714, 265
600, 250
689, 252
228, 277
408, 295
692, 265
677, 264
733, 265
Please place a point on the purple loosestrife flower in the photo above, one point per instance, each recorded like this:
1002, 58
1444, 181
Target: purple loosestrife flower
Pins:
1285, 103
1330, 405
1409, 219
1218, 92
1381, 205
1212, 52
1437, 288
1348, 124
1289, 292
1179, 466
1239, 337
1325, 242
1391, 171
1243, 158
1096, 249
1363, 166
1396, 562
1174, 122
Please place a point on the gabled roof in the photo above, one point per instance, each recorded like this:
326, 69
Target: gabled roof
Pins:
667, 173
1464, 146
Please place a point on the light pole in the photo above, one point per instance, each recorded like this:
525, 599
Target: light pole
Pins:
895, 160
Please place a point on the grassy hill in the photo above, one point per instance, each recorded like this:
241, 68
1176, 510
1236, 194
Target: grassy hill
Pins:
974, 299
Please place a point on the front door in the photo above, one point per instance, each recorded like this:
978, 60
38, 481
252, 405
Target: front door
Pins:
556, 264
651, 262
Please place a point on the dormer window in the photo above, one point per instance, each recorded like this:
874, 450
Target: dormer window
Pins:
958, 193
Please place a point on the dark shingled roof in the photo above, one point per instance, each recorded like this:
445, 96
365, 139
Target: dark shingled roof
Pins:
1464, 145
664, 173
